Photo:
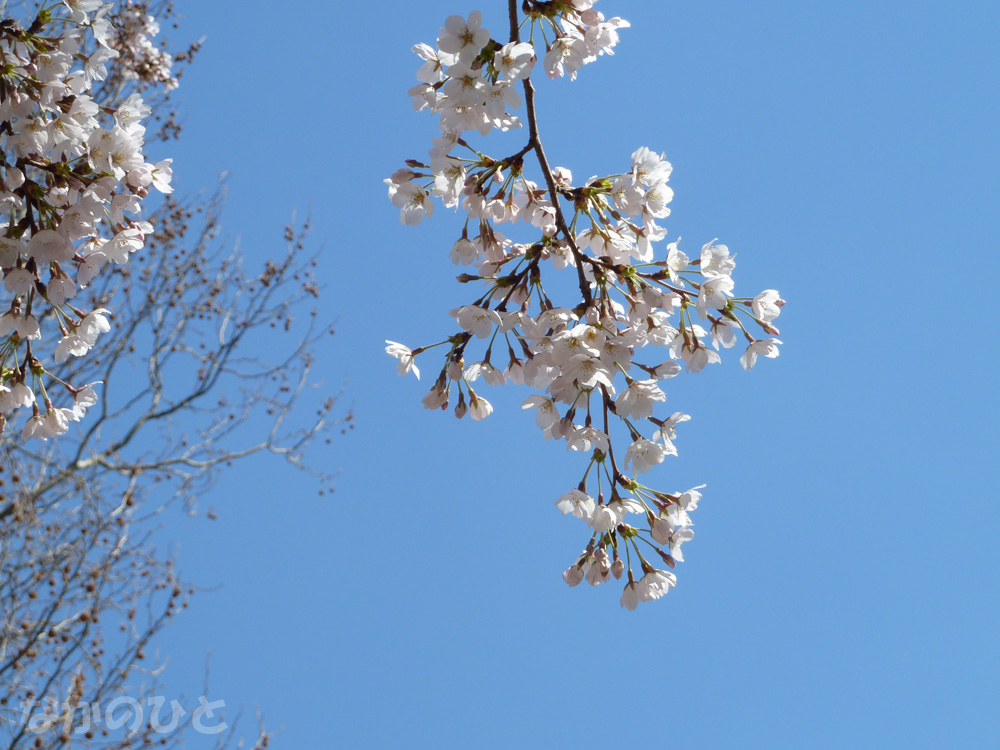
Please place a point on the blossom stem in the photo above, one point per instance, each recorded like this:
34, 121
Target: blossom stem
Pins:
611, 451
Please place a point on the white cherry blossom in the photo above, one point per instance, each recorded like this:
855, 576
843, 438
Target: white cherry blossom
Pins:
547, 414
477, 320
654, 584
644, 454
715, 260
606, 517
760, 347
578, 354
714, 294
677, 538
479, 407
586, 439
413, 202
639, 399
767, 305
566, 56
405, 357
464, 38
631, 596
689, 500
514, 60
577, 502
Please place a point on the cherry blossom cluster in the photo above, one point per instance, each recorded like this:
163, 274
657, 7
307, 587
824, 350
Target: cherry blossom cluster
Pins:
139, 58
73, 178
644, 311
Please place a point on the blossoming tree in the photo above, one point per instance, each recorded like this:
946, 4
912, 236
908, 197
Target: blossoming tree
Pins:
641, 312
140, 357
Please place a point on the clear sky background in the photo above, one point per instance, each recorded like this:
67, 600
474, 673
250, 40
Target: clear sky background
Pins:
841, 590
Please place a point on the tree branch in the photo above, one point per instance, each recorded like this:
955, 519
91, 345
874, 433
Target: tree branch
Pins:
535, 143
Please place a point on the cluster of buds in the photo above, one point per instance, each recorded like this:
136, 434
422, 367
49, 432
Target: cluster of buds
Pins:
582, 358
71, 185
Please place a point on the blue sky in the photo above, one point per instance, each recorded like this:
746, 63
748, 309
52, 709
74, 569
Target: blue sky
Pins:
842, 587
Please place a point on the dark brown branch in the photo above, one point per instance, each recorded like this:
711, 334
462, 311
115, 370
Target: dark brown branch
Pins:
535, 143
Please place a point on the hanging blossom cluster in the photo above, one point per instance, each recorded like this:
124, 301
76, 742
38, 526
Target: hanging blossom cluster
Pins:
139, 58
644, 312
73, 177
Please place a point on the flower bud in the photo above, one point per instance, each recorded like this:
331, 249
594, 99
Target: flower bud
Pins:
573, 575
401, 176
617, 569
437, 397
667, 559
